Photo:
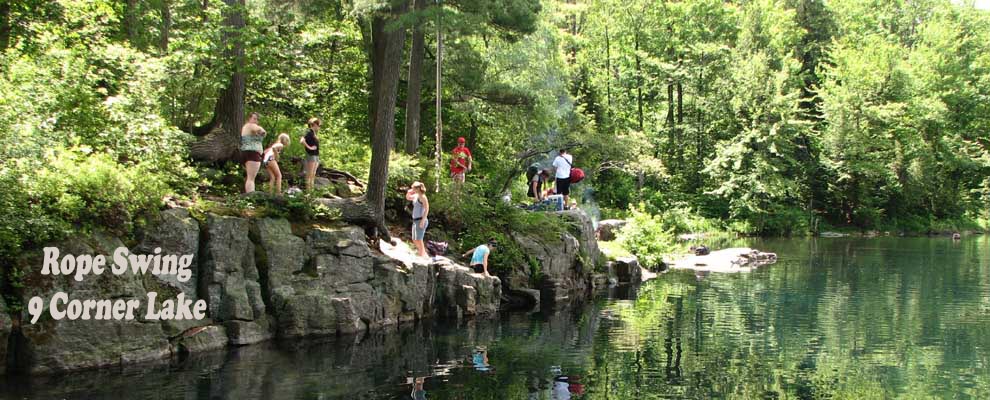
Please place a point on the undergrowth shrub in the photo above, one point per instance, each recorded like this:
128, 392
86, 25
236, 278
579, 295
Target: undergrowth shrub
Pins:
646, 237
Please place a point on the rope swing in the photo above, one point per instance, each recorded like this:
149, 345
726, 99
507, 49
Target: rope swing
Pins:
439, 122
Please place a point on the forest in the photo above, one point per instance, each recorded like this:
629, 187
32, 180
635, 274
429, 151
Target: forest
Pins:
759, 117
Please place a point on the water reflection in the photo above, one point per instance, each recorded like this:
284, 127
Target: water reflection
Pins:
836, 318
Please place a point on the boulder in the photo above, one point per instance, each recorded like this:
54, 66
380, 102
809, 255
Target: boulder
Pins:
627, 270
201, 339
608, 229
228, 275
243, 333
321, 182
175, 233
521, 299
408, 291
330, 282
739, 259
343, 189
348, 321
454, 300
50, 346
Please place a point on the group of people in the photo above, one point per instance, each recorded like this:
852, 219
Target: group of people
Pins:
460, 164
555, 192
256, 156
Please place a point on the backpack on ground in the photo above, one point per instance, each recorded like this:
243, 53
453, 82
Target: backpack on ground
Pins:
577, 175
436, 248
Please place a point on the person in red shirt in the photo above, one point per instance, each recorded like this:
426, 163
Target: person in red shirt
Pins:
460, 161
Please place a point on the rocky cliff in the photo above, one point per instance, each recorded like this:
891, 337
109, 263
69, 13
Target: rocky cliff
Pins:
261, 278
265, 279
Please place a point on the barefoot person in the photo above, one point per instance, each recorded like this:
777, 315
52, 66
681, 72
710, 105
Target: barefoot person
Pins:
252, 136
460, 162
312, 144
421, 210
269, 159
479, 256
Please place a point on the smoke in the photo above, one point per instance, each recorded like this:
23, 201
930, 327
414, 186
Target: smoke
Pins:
589, 206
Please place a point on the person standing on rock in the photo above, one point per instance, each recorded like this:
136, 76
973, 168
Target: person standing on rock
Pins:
312, 145
252, 136
460, 162
479, 256
421, 210
563, 164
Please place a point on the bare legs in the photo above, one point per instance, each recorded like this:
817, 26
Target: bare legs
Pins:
310, 169
276, 177
420, 248
252, 171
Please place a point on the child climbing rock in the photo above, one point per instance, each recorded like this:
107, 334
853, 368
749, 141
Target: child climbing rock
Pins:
479, 256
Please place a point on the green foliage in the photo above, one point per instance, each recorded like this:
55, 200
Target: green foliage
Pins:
73, 191
646, 237
472, 220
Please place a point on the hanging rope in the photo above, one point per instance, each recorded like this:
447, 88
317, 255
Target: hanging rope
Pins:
439, 124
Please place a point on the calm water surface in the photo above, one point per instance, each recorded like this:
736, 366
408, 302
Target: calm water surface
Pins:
834, 318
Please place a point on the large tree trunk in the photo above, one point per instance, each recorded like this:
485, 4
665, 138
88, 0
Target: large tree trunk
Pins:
386, 63
4, 25
414, 94
222, 134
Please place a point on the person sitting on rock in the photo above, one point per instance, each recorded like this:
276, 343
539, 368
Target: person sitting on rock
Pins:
479, 256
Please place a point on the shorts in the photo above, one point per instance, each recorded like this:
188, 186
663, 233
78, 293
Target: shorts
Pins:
478, 268
312, 158
457, 175
251, 156
417, 232
563, 186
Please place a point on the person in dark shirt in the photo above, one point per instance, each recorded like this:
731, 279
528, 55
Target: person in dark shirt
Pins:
312, 145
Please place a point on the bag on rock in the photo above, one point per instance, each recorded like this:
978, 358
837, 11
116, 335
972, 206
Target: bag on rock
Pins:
577, 175
436, 248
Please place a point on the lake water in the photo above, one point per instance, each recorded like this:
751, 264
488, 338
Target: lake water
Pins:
834, 318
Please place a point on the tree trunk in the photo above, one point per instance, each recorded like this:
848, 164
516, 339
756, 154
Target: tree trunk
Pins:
678, 132
4, 25
472, 138
131, 17
608, 72
639, 81
414, 94
386, 64
166, 26
223, 133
